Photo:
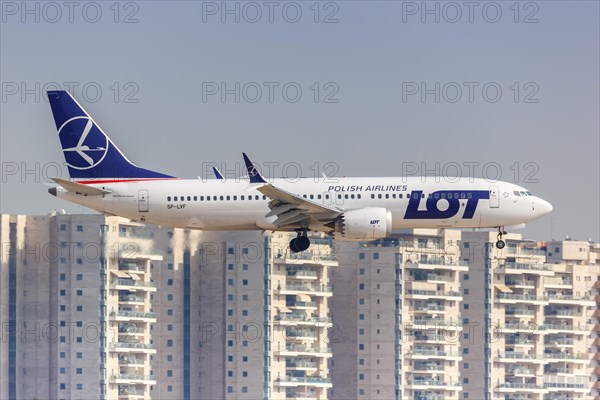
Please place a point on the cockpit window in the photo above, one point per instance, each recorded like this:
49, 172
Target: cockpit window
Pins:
516, 193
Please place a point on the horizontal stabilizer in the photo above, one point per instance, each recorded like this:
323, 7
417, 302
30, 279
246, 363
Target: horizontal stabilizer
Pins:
80, 188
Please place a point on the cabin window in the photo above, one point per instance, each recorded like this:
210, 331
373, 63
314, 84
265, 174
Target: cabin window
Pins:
234, 197
393, 195
387, 195
257, 197
372, 195
339, 196
319, 196
379, 195
327, 196
351, 196
189, 198
214, 198
416, 195
207, 198
228, 198
220, 197
462, 195
358, 196
195, 198
201, 198
264, 197
242, 198
469, 195
422, 195
346, 196
400, 196
312, 196
443, 195
168, 198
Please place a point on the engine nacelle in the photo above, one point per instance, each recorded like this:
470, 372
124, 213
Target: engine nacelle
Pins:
363, 224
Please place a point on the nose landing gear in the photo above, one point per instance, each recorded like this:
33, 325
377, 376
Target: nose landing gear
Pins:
301, 242
500, 243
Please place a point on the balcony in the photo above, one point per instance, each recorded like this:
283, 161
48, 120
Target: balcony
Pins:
514, 268
519, 312
133, 379
560, 328
513, 387
573, 358
432, 263
434, 323
511, 298
301, 395
424, 354
302, 274
131, 267
130, 284
300, 334
290, 381
432, 278
425, 384
567, 387
520, 283
303, 305
131, 299
428, 367
133, 347
315, 290
428, 294
302, 365
520, 372
131, 361
291, 319
559, 342
130, 393
123, 315
511, 357
571, 300
560, 313
304, 257
294, 350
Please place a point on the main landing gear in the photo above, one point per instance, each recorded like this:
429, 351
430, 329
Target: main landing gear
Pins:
500, 243
301, 242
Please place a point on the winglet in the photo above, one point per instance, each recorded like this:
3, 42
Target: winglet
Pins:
253, 174
218, 173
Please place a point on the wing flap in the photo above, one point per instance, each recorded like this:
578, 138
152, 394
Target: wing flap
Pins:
290, 209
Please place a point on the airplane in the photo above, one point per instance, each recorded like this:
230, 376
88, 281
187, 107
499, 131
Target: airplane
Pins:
353, 209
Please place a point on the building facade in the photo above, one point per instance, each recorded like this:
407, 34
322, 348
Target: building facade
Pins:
103, 307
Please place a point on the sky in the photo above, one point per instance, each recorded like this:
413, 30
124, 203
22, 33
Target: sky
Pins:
353, 88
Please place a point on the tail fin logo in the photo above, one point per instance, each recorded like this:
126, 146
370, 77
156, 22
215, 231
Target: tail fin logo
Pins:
84, 145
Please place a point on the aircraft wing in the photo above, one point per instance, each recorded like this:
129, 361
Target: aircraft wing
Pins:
79, 188
292, 211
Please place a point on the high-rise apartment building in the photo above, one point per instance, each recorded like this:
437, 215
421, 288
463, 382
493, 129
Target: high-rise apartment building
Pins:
103, 307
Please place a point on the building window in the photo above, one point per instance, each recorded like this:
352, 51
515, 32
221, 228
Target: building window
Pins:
169, 342
465, 277
361, 256
169, 372
79, 371
79, 228
375, 256
245, 282
79, 276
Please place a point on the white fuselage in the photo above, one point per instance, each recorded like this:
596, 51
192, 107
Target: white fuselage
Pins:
435, 202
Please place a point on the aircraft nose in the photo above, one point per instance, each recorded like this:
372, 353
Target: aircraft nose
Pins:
543, 206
